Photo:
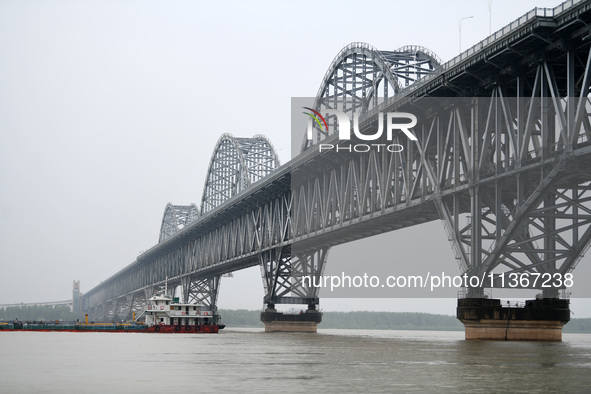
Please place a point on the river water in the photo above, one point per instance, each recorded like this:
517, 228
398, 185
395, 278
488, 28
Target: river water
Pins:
248, 360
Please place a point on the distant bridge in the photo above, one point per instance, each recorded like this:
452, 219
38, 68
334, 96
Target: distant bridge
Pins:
73, 303
502, 158
67, 303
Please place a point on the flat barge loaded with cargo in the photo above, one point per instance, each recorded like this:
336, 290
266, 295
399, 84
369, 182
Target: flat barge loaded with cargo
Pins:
163, 314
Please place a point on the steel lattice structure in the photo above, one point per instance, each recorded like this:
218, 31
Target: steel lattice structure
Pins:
502, 158
175, 218
235, 165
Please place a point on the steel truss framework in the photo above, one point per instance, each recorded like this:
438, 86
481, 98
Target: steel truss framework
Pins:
201, 290
235, 165
504, 165
528, 199
282, 270
175, 218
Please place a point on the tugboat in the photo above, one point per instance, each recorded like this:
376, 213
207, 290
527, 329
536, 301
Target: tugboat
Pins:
165, 314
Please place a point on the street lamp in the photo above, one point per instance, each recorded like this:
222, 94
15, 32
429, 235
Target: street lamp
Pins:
489, 17
460, 28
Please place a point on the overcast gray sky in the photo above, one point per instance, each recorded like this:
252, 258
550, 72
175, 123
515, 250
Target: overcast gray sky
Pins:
111, 109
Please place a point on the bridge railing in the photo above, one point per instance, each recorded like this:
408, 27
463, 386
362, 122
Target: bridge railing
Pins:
520, 22
524, 19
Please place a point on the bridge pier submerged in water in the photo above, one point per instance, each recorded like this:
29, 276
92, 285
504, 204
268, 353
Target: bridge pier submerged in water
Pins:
282, 271
540, 319
304, 321
501, 155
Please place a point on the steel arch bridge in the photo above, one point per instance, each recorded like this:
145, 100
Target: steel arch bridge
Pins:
360, 77
502, 158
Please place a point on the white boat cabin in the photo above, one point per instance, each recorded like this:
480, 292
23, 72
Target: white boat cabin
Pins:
162, 309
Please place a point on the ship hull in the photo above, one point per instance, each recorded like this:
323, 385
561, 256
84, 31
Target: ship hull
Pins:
158, 329
184, 329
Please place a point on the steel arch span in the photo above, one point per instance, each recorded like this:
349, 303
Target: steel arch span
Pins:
236, 164
361, 76
175, 218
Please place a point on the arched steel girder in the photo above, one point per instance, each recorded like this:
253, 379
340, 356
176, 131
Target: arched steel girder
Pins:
175, 218
236, 163
360, 76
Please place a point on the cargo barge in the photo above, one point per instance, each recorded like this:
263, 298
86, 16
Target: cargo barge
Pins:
72, 327
163, 314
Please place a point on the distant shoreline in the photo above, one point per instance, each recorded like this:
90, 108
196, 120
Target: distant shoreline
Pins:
367, 320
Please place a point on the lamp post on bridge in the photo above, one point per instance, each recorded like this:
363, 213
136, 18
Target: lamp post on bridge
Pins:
460, 29
490, 17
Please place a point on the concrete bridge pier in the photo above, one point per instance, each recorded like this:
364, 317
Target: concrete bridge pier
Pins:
304, 321
540, 319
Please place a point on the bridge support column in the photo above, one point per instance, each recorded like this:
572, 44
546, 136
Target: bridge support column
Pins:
76, 295
204, 291
102, 312
128, 311
541, 319
120, 308
282, 277
112, 310
149, 292
139, 303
